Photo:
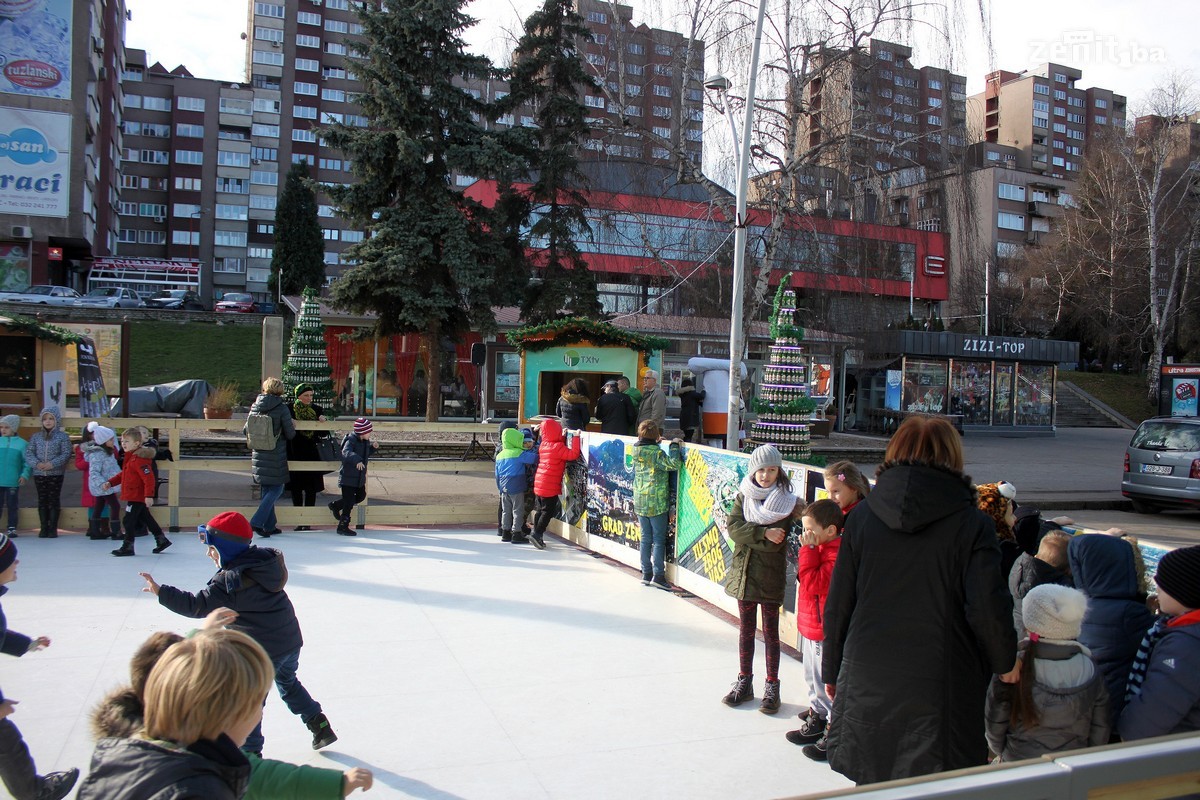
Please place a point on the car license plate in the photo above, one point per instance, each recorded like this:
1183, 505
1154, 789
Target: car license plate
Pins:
1156, 469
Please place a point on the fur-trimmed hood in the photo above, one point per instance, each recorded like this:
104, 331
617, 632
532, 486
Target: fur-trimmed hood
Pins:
118, 715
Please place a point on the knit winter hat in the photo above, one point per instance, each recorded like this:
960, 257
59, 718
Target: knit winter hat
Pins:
12, 421
101, 434
230, 533
1052, 611
765, 456
362, 426
1179, 575
301, 388
8, 552
994, 500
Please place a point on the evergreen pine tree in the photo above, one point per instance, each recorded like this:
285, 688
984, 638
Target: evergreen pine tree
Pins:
424, 266
307, 361
548, 76
299, 245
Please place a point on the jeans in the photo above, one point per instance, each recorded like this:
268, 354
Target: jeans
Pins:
16, 765
264, 518
9, 496
512, 511
293, 693
654, 540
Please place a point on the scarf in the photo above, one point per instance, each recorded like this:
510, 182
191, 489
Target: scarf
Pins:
1141, 662
765, 506
307, 413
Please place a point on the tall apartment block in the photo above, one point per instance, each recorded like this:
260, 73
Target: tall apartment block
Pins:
1045, 116
60, 113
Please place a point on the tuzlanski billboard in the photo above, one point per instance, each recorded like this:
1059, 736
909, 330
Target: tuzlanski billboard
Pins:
35, 48
34, 162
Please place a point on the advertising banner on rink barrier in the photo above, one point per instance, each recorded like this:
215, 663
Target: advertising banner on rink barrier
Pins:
610, 511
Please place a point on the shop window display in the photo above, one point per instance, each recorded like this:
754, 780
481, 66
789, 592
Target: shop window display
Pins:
925, 386
1002, 411
971, 391
1035, 387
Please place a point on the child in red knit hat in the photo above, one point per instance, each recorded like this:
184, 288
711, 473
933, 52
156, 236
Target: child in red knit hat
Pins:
356, 452
250, 580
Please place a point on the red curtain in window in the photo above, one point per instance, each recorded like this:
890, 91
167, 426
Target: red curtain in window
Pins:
468, 371
339, 354
404, 357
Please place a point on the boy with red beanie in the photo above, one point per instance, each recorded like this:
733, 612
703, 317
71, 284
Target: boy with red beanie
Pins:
250, 580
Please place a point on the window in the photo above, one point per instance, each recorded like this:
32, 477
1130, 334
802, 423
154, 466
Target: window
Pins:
1100, 103
127, 209
1011, 191
308, 18
156, 103
1040, 121
189, 157
269, 57
1011, 222
184, 129
1060, 78
264, 154
305, 88
190, 238
660, 152
302, 135
1059, 127
260, 251
1059, 161
233, 186
335, 95
934, 119
600, 39
1059, 145
269, 82
634, 69
229, 238
352, 236
662, 91
304, 40
338, 72
1078, 119
1059, 111
663, 50
340, 5
260, 129
1059, 94
308, 65
229, 264
597, 16
1075, 101
264, 34
154, 157
228, 158
1041, 105
304, 112
264, 227
335, 48
185, 210
304, 158
324, 211
1074, 134
264, 178
593, 102
336, 26
331, 234
331, 163
184, 103
266, 106
1041, 88
665, 133
885, 55
1101, 120
268, 10
152, 210
695, 135
632, 90
227, 211
934, 84
596, 60
263, 201
633, 111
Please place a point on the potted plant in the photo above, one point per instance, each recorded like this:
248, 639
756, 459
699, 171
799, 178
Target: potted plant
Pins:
221, 400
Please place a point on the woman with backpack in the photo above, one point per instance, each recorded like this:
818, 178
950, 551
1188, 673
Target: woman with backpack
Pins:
268, 429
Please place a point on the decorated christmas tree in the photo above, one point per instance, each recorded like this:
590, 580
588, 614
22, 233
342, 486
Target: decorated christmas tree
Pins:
307, 361
783, 405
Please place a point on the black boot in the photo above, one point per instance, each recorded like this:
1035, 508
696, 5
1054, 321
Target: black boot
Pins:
770, 701
323, 735
52, 523
126, 548
161, 542
93, 531
743, 690
116, 531
103, 529
43, 517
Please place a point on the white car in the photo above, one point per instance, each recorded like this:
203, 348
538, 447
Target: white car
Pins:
43, 295
110, 297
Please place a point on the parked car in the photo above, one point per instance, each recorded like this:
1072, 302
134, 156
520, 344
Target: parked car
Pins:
110, 297
177, 299
43, 295
237, 302
1162, 465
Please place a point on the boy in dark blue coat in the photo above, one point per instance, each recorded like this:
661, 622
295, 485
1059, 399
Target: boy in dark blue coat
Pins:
250, 580
513, 461
356, 451
16, 765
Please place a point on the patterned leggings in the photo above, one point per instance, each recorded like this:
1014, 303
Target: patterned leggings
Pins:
49, 490
747, 617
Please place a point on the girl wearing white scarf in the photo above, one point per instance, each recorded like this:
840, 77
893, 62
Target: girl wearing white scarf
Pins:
757, 527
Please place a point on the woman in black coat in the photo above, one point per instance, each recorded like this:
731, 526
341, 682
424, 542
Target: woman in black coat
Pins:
269, 467
690, 401
305, 484
574, 405
918, 617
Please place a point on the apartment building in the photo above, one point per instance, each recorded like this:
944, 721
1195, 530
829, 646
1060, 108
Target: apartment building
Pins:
1045, 115
60, 113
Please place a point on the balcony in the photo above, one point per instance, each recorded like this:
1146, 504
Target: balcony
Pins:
1044, 208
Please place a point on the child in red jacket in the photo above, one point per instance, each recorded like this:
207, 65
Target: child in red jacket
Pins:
137, 493
819, 546
553, 455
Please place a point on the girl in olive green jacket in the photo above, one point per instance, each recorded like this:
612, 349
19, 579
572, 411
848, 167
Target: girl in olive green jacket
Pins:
757, 526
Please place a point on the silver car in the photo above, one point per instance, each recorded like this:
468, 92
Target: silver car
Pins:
1162, 465
110, 297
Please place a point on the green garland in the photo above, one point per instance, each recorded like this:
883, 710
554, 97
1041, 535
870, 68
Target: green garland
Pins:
783, 331
562, 332
801, 405
43, 330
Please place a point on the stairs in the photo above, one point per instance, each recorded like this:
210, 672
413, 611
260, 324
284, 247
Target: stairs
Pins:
1075, 410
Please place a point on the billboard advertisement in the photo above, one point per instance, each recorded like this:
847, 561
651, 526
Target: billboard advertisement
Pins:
35, 48
14, 266
34, 162
1184, 397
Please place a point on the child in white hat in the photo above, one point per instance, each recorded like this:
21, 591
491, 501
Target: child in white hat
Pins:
1060, 702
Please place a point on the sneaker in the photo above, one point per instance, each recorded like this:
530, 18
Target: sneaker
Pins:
273, 532
816, 751
660, 583
323, 735
335, 509
58, 785
12, 533
646, 576
812, 730
537, 542
506, 537
123, 550
743, 690
770, 701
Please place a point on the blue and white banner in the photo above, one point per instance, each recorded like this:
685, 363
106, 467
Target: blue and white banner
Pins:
35, 48
34, 162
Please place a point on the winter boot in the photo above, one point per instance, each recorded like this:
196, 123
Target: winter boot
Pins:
817, 751
103, 529
743, 690
335, 508
519, 538
126, 548
161, 542
323, 735
43, 516
506, 536
52, 523
344, 529
770, 701
116, 531
811, 730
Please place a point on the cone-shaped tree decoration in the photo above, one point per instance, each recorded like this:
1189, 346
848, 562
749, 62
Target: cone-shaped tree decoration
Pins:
784, 406
307, 361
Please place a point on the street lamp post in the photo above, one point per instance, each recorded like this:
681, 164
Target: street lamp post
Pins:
740, 224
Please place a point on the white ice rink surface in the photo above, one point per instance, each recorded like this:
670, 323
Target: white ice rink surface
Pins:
452, 665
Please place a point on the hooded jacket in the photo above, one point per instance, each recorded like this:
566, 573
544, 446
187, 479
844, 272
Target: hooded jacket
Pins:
49, 446
1029, 572
1117, 618
917, 621
573, 408
120, 716
1072, 704
758, 571
12, 461
1169, 700
269, 467
102, 466
690, 400
512, 462
252, 584
650, 480
141, 769
616, 413
553, 455
136, 477
814, 569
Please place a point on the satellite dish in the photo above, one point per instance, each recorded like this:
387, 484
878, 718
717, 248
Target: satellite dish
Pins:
243, 36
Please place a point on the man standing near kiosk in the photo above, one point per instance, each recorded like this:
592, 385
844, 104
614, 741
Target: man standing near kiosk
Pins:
654, 403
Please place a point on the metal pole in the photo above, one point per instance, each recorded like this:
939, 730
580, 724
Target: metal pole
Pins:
912, 278
987, 291
739, 243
